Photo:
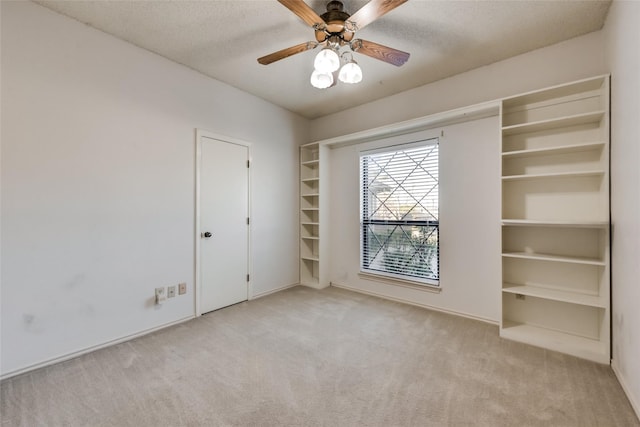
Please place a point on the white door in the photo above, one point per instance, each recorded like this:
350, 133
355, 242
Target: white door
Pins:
224, 232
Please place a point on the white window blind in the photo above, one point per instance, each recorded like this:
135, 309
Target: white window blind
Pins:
399, 212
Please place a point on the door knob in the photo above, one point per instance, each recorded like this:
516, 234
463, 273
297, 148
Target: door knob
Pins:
206, 234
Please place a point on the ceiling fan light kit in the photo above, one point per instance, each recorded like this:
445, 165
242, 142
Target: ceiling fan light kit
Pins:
321, 80
350, 73
327, 60
335, 29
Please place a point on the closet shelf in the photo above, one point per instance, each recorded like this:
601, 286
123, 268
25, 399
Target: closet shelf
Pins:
310, 163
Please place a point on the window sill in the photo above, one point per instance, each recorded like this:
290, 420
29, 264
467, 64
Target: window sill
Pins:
425, 287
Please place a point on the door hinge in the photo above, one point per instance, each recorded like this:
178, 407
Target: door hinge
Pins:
247, 220
248, 163
247, 277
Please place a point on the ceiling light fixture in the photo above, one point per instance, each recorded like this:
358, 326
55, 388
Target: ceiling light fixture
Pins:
325, 66
351, 71
321, 80
336, 29
327, 60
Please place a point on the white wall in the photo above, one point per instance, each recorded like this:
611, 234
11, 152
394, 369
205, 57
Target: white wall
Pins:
98, 172
573, 59
469, 221
622, 30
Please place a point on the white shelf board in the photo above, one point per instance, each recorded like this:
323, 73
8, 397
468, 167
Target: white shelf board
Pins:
310, 179
310, 195
309, 223
575, 174
310, 258
564, 149
582, 347
555, 295
560, 91
310, 209
559, 224
310, 237
310, 162
554, 258
558, 122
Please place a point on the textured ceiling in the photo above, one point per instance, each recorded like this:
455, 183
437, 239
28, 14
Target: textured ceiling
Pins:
223, 39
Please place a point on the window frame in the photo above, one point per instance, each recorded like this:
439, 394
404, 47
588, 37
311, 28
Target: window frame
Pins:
385, 276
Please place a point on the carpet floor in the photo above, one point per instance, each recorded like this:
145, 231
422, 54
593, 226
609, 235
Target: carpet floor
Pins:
304, 357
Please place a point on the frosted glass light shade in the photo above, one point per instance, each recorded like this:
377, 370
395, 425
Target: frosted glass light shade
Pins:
350, 73
327, 61
321, 80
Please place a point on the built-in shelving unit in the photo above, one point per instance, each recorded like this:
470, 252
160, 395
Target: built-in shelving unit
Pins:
312, 271
555, 219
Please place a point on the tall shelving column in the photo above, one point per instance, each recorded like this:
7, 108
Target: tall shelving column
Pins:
555, 219
312, 266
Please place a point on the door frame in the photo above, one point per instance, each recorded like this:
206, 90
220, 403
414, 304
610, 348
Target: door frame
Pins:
200, 135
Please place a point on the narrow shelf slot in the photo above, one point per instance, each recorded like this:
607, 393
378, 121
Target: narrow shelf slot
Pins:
310, 179
310, 258
554, 175
310, 195
311, 237
310, 162
564, 149
556, 295
553, 258
310, 223
554, 123
310, 209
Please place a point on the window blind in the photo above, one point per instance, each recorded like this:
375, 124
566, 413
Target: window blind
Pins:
399, 211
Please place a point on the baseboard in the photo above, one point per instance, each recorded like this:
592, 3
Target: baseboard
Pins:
635, 403
272, 291
417, 304
84, 351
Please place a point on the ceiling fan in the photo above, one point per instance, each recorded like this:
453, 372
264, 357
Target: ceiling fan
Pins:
336, 28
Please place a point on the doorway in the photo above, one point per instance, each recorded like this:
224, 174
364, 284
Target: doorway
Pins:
222, 222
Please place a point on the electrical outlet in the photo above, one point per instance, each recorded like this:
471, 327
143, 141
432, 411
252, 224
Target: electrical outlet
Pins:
171, 291
161, 295
182, 288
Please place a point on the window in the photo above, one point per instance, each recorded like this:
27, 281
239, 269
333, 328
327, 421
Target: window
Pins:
399, 212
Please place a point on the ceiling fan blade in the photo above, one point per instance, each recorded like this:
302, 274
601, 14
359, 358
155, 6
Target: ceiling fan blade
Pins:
305, 13
285, 53
378, 51
372, 11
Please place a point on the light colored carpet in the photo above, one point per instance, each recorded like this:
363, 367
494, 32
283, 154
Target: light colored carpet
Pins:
319, 358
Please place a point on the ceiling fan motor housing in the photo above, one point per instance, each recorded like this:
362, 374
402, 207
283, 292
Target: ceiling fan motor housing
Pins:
334, 18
